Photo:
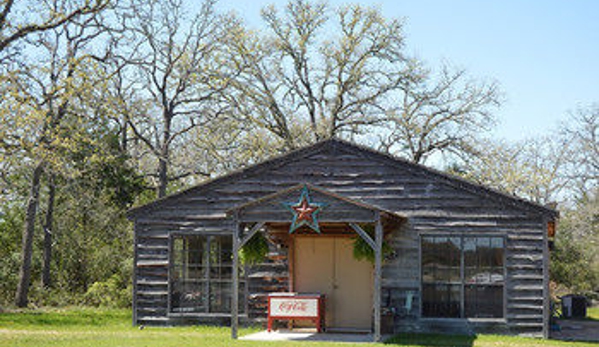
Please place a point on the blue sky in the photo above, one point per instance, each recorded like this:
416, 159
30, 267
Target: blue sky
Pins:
544, 54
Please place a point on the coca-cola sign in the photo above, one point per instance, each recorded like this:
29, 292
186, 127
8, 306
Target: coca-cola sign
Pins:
293, 307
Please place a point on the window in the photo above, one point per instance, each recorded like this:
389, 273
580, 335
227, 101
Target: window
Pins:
441, 277
483, 277
462, 277
201, 269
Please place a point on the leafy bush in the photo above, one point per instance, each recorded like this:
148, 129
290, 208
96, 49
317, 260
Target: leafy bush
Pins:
52, 297
574, 259
11, 225
110, 293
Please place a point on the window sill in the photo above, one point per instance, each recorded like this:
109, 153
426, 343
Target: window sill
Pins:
469, 320
203, 315
487, 320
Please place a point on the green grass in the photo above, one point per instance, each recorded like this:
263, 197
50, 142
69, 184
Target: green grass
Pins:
593, 313
96, 327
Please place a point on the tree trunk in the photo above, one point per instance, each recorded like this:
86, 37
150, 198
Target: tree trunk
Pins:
164, 155
21, 299
48, 228
124, 135
162, 176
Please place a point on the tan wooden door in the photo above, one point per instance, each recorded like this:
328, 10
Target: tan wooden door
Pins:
326, 265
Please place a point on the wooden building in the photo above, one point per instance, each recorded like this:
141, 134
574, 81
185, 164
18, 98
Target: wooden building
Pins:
448, 254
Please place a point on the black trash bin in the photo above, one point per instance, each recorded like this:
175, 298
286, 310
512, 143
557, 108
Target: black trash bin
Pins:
574, 306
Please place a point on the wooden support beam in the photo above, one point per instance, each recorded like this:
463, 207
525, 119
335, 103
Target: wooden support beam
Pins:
251, 233
363, 235
378, 261
235, 281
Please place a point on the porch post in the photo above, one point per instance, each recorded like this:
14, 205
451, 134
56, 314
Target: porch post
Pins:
378, 255
546, 292
235, 281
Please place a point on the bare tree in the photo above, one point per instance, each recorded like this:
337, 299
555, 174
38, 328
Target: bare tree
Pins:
533, 168
16, 26
582, 132
318, 73
436, 114
172, 72
560, 167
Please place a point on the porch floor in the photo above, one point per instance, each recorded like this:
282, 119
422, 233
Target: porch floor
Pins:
309, 335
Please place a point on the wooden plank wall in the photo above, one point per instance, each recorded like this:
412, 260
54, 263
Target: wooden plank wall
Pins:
270, 276
431, 205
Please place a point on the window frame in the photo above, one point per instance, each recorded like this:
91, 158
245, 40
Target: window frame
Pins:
461, 236
171, 255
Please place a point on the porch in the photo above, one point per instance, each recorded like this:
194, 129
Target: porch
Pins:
321, 253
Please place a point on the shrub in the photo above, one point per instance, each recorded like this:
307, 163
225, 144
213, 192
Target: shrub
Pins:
110, 293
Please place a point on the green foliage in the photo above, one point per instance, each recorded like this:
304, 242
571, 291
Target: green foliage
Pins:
9, 270
11, 224
92, 240
363, 251
108, 174
52, 297
110, 293
574, 260
255, 250
570, 264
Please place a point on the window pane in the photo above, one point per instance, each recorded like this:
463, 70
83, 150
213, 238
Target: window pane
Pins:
452, 259
220, 297
441, 259
496, 262
483, 301
188, 296
496, 252
483, 267
221, 272
483, 260
429, 259
441, 276
441, 300
470, 260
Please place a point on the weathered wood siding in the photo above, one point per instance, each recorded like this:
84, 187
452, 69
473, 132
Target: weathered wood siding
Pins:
333, 209
270, 276
431, 202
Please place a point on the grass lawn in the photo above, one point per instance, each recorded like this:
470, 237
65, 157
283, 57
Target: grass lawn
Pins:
97, 327
593, 313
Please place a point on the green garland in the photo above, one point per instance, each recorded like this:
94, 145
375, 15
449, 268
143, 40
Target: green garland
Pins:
363, 251
255, 250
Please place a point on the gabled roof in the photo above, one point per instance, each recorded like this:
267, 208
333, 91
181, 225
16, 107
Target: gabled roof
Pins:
350, 147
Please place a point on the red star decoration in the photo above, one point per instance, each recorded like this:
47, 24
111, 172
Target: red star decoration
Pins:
304, 210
